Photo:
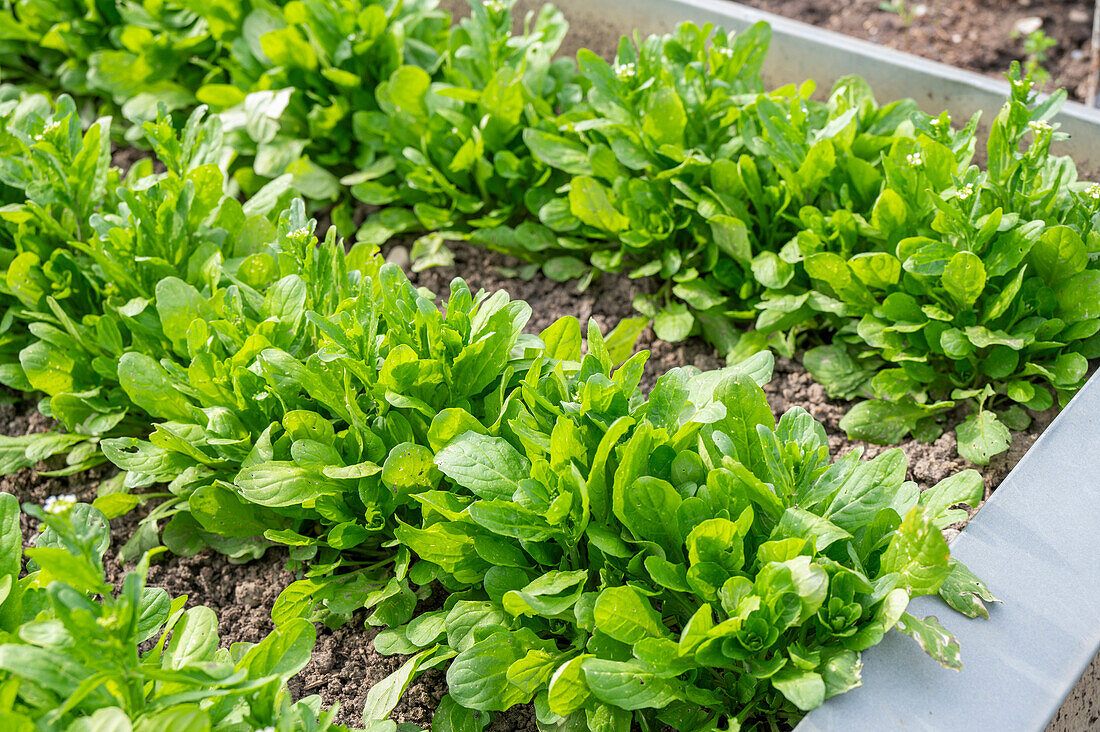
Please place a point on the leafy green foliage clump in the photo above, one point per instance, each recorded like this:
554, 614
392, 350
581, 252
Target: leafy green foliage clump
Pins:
682, 559
939, 284
975, 285
85, 251
70, 655
581, 528
289, 77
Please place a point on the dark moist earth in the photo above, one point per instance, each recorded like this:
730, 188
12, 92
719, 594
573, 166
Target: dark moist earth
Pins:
344, 664
971, 34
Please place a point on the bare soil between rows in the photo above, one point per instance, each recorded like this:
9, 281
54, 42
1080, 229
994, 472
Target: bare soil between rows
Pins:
344, 664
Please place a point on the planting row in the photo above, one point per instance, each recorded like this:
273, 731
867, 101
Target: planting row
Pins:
864, 233
680, 558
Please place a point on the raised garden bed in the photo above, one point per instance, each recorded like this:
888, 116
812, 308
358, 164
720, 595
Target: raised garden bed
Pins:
345, 664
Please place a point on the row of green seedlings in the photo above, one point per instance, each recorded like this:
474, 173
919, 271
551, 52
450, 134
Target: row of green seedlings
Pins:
924, 287
617, 559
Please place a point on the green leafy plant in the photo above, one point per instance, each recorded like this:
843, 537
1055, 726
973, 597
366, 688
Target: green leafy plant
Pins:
979, 286
288, 76
539, 473
1036, 44
84, 251
682, 560
310, 396
74, 654
448, 150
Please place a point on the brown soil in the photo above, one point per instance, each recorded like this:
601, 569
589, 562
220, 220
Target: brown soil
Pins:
344, 665
971, 34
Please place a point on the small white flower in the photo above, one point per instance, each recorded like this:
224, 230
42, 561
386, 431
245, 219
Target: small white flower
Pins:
351, 37
943, 121
914, 159
495, 6
1093, 192
50, 127
269, 728
965, 192
625, 71
727, 52
302, 232
1038, 126
59, 504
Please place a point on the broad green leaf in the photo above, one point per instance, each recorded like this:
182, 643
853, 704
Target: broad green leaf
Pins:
933, 639
277, 484
563, 339
622, 338
842, 672
965, 486
647, 507
558, 152
478, 677
568, 689
149, 387
628, 685
1058, 254
885, 422
834, 368
804, 689
964, 592
1079, 297
876, 269
194, 639
590, 202
917, 553
410, 468
981, 436
451, 717
665, 119
673, 323
488, 466
625, 615
385, 694
964, 278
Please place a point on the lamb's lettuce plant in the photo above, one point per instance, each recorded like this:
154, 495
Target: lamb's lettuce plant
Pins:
289, 77
448, 152
682, 560
859, 231
84, 251
76, 653
679, 557
973, 286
